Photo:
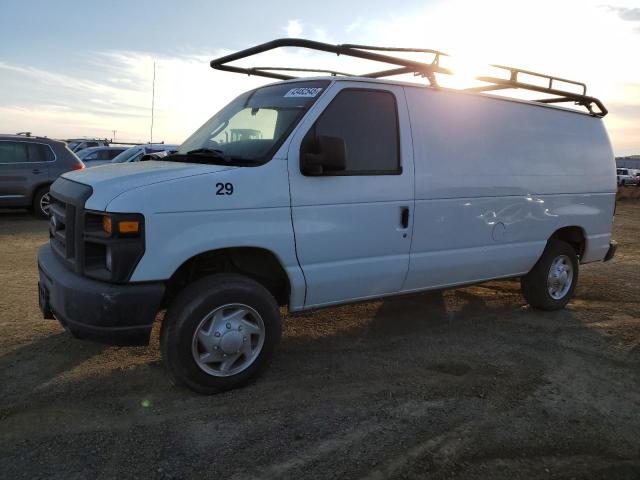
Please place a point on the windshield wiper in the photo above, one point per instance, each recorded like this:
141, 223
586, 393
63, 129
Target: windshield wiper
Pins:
211, 152
207, 155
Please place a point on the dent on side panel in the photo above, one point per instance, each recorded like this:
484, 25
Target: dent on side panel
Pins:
471, 239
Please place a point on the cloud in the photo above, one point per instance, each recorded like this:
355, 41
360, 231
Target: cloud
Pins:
354, 26
118, 94
293, 28
627, 14
114, 90
51, 103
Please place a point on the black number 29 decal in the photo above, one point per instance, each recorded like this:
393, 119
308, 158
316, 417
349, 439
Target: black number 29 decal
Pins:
224, 188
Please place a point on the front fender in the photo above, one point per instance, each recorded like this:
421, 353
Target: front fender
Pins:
189, 216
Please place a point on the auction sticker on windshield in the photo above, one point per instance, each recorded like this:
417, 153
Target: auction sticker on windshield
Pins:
303, 92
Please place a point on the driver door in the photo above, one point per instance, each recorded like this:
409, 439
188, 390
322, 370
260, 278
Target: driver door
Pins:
353, 227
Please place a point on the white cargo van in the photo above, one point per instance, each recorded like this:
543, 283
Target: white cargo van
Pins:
321, 191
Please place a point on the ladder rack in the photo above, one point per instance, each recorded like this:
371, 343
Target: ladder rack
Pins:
402, 66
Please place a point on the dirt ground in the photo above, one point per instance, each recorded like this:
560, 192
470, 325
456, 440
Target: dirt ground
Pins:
467, 383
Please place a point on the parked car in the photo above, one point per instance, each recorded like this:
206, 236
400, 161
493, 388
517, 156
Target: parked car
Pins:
135, 154
28, 165
626, 176
346, 189
78, 144
97, 155
155, 155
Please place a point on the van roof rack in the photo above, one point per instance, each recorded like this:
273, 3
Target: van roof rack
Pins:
406, 66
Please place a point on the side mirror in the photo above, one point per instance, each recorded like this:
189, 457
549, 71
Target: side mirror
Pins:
331, 156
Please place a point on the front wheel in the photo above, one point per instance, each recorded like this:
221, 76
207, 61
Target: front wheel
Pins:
551, 282
220, 333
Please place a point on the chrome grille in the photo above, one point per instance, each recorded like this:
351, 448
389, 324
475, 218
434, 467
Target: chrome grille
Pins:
61, 231
66, 218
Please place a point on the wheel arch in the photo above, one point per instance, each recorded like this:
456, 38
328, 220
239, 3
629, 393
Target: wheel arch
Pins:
37, 187
574, 235
257, 263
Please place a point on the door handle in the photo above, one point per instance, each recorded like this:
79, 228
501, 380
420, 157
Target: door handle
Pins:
404, 217
36, 171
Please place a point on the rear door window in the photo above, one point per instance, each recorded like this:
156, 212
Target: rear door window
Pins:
39, 152
13, 152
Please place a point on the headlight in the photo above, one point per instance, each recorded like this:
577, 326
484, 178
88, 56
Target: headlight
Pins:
113, 245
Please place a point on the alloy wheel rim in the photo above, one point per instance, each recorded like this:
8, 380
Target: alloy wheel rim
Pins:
45, 202
228, 340
560, 277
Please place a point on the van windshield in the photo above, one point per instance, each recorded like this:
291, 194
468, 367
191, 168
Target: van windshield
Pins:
251, 128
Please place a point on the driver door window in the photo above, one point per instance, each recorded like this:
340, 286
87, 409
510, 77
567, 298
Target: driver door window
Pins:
367, 121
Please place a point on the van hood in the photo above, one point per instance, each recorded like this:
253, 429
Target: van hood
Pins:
109, 181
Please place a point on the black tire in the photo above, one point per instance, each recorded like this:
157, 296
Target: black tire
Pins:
37, 202
534, 284
192, 305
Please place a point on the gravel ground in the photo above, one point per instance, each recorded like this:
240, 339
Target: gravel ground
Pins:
466, 383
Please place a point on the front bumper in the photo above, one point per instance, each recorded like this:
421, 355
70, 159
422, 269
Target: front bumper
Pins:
613, 246
104, 312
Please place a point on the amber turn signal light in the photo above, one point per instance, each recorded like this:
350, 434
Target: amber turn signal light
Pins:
129, 226
124, 227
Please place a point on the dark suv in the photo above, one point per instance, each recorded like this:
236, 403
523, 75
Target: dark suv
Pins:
28, 165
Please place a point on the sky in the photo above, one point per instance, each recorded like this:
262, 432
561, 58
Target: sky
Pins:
83, 69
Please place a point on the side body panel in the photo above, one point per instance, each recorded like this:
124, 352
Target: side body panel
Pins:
494, 180
185, 217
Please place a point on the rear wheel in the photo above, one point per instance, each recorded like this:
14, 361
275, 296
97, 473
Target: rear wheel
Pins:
551, 282
41, 202
220, 333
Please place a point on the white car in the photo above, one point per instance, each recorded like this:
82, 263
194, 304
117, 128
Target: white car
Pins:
136, 153
76, 145
315, 192
627, 176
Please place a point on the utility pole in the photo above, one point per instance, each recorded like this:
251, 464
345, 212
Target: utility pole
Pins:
153, 98
113, 139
